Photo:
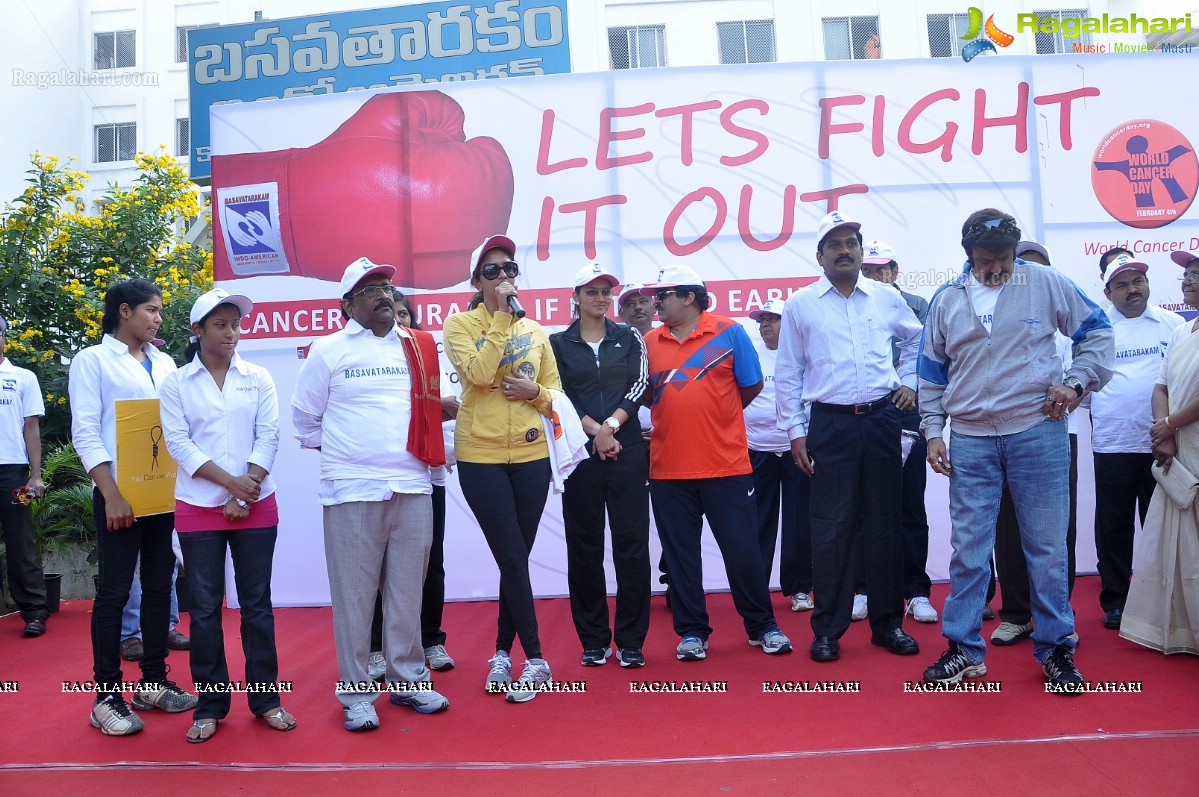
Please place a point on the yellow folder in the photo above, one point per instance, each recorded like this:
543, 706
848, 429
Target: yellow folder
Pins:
145, 471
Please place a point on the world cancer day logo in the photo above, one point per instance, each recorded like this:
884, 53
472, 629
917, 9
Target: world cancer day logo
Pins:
1145, 173
992, 35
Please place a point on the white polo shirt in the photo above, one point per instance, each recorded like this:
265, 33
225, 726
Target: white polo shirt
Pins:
20, 398
353, 401
233, 426
1122, 413
762, 430
100, 376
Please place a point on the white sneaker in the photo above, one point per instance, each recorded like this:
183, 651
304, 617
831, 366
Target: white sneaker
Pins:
421, 702
535, 674
113, 716
500, 674
360, 717
859, 608
438, 659
921, 610
1010, 633
376, 665
802, 602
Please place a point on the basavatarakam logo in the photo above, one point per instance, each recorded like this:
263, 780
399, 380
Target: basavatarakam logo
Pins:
1074, 28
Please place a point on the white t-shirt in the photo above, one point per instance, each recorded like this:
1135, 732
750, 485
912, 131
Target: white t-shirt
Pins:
762, 431
20, 398
983, 298
1122, 413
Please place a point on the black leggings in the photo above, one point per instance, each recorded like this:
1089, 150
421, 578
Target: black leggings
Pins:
507, 500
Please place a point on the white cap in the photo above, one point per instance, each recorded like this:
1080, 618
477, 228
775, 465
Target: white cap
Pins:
359, 270
1124, 263
670, 276
774, 306
593, 272
213, 299
631, 289
1033, 246
832, 221
1182, 258
492, 242
878, 253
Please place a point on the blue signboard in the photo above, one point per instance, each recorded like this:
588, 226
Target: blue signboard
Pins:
372, 48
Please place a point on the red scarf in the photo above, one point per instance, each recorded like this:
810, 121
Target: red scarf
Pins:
424, 430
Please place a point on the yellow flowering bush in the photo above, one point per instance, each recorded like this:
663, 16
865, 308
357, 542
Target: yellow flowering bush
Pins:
57, 261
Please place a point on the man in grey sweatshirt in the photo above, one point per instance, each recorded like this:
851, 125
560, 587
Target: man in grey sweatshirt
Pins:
988, 361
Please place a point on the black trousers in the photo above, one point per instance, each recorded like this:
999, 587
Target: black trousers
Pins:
508, 500
432, 604
25, 581
1124, 484
855, 502
680, 506
777, 477
618, 486
1010, 566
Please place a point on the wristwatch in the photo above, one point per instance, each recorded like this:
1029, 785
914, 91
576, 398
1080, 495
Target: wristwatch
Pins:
612, 424
242, 503
1073, 382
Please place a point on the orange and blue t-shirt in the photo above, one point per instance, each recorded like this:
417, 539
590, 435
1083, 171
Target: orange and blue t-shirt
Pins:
698, 424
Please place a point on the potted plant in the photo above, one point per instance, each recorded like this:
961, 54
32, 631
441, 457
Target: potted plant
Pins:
62, 516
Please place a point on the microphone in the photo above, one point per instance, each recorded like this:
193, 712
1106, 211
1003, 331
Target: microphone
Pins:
517, 310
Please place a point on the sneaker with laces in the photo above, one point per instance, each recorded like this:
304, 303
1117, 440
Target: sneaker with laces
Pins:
500, 674
596, 657
535, 675
421, 702
860, 610
112, 715
953, 666
774, 641
376, 665
360, 717
438, 659
164, 695
802, 602
1061, 675
692, 648
921, 610
1010, 633
630, 657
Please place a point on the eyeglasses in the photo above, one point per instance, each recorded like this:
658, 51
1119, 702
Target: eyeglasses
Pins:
661, 294
591, 293
1189, 277
491, 271
375, 291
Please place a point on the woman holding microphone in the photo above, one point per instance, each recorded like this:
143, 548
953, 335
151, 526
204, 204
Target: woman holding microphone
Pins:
220, 420
507, 368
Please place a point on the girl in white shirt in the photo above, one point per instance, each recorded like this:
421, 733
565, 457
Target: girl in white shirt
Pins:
220, 420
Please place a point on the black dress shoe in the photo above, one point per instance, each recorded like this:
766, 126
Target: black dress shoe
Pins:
35, 627
897, 641
825, 649
1112, 619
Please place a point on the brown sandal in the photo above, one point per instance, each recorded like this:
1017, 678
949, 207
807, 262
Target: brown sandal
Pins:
201, 730
280, 720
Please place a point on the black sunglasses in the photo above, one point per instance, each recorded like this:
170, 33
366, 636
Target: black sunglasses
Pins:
491, 271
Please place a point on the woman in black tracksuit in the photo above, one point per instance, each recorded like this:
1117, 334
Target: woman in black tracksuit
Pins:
602, 365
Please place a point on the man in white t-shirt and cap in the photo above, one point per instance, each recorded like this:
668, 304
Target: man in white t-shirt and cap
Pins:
1121, 416
357, 392
776, 475
20, 482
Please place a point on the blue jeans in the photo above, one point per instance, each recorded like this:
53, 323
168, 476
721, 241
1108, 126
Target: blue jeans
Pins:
204, 558
131, 615
1036, 466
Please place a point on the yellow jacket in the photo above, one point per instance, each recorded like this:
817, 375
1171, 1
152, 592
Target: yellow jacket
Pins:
484, 348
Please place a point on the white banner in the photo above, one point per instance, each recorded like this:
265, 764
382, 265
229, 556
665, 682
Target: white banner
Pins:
725, 169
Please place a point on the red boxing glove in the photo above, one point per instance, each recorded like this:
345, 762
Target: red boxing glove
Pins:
397, 182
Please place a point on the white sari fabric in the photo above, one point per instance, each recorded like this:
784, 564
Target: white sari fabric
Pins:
1162, 611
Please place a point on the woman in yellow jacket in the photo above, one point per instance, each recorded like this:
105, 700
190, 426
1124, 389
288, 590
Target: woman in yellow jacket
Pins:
506, 367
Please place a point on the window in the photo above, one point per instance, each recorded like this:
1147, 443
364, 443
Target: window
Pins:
945, 32
181, 48
749, 42
1050, 43
848, 38
117, 142
114, 50
183, 137
636, 47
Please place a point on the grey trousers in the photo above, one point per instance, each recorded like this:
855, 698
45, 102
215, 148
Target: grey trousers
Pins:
372, 547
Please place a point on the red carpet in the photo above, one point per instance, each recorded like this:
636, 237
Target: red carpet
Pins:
881, 740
